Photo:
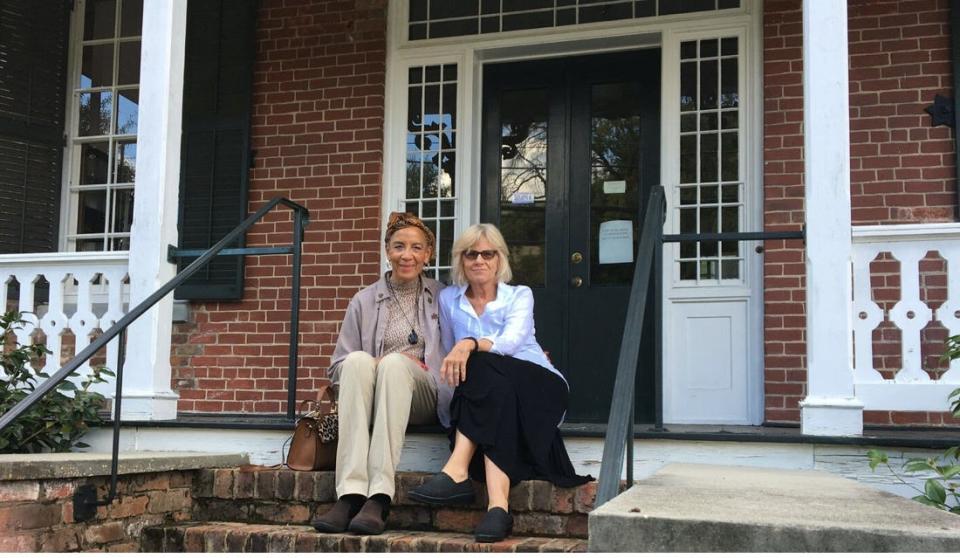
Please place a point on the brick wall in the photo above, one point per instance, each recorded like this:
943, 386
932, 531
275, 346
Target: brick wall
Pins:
902, 170
37, 515
317, 131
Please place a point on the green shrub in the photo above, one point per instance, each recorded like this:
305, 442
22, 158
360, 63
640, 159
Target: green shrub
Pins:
943, 490
56, 421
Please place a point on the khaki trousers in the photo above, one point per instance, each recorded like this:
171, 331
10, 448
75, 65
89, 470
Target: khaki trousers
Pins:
376, 402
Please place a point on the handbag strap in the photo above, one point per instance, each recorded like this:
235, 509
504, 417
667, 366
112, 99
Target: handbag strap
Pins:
326, 392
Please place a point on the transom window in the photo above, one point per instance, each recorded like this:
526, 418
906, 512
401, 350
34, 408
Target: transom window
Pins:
103, 130
433, 19
710, 190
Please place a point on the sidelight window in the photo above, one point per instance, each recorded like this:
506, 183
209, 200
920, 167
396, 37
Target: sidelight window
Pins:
710, 196
431, 161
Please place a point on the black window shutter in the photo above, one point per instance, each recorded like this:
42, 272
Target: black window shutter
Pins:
215, 159
33, 69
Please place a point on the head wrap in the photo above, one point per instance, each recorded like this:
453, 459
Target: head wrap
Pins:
399, 220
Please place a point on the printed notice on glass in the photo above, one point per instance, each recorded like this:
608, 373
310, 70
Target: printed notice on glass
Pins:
616, 242
614, 186
522, 198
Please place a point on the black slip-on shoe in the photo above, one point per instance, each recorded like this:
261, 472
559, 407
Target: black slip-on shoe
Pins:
371, 520
339, 516
441, 489
495, 526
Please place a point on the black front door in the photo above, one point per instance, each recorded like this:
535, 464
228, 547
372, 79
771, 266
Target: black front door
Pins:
570, 150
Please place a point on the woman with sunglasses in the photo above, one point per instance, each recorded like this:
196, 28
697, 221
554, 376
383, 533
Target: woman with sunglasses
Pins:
509, 399
387, 366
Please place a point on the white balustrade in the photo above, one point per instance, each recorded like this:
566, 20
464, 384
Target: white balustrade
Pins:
912, 388
85, 291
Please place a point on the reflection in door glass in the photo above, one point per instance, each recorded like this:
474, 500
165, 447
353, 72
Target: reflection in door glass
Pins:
523, 182
615, 176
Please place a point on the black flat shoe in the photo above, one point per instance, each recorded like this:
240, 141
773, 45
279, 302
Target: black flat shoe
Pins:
494, 527
441, 489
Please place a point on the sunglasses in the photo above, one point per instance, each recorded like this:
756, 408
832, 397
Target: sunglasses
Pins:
486, 254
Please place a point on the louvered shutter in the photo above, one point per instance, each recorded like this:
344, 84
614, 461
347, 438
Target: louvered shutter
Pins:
33, 66
217, 99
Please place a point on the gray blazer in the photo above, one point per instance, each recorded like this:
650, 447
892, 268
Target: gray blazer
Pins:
366, 320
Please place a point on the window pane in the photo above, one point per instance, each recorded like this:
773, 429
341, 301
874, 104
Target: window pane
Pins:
97, 66
125, 161
122, 210
127, 111
131, 18
98, 19
95, 112
94, 162
93, 211
128, 72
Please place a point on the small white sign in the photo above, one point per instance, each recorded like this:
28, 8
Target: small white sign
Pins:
522, 198
614, 186
616, 242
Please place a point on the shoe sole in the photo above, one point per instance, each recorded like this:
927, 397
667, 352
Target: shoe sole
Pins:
458, 499
326, 528
364, 529
491, 538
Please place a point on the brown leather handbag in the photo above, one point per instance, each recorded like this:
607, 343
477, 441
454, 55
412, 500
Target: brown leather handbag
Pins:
314, 443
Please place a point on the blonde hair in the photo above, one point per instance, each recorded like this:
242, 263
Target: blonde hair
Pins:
471, 236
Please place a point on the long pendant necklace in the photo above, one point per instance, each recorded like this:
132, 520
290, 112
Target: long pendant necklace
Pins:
413, 337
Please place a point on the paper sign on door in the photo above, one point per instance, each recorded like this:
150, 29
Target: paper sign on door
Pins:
616, 242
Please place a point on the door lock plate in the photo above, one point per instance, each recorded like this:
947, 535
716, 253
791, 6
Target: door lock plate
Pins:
576, 257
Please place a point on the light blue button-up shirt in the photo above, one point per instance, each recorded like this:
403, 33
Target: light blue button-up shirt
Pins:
507, 322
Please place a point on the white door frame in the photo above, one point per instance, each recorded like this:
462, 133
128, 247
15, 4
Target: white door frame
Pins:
472, 52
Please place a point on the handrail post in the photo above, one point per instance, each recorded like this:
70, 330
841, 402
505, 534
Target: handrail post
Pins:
294, 315
117, 403
658, 320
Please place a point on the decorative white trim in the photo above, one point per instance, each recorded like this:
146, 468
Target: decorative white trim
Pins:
63, 259
831, 416
933, 232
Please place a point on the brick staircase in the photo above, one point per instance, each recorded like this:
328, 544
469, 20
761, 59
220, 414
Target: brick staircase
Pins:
269, 510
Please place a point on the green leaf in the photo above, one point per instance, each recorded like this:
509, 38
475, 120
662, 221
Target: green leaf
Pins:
876, 457
950, 472
926, 501
914, 465
935, 492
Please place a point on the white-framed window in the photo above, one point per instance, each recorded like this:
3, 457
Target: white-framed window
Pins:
710, 193
101, 153
431, 189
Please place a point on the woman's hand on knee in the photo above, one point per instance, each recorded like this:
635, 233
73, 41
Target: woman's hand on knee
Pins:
454, 368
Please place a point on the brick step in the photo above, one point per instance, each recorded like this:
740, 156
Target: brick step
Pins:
245, 537
282, 496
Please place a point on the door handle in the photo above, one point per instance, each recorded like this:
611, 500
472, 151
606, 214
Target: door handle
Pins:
576, 257
576, 282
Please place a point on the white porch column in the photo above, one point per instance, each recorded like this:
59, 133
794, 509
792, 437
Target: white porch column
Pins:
146, 384
831, 407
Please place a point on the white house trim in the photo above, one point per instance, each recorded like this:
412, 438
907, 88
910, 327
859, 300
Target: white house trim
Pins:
831, 406
147, 393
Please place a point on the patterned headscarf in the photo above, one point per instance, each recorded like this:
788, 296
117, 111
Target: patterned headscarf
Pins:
399, 220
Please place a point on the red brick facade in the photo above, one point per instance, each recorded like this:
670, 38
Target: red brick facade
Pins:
902, 169
318, 135
318, 129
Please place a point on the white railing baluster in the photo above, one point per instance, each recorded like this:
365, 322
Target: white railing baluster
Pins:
867, 315
949, 312
54, 321
83, 320
910, 314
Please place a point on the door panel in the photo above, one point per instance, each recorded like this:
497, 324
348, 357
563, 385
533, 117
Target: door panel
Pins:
571, 148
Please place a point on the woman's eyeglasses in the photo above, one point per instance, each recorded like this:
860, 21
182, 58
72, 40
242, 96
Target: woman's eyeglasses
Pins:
487, 254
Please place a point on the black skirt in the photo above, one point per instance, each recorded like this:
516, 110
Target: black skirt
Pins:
511, 408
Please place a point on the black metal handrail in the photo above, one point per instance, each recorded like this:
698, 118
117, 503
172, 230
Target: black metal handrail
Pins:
300, 221
618, 441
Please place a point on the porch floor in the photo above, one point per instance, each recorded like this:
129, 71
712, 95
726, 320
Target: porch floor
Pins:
909, 437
